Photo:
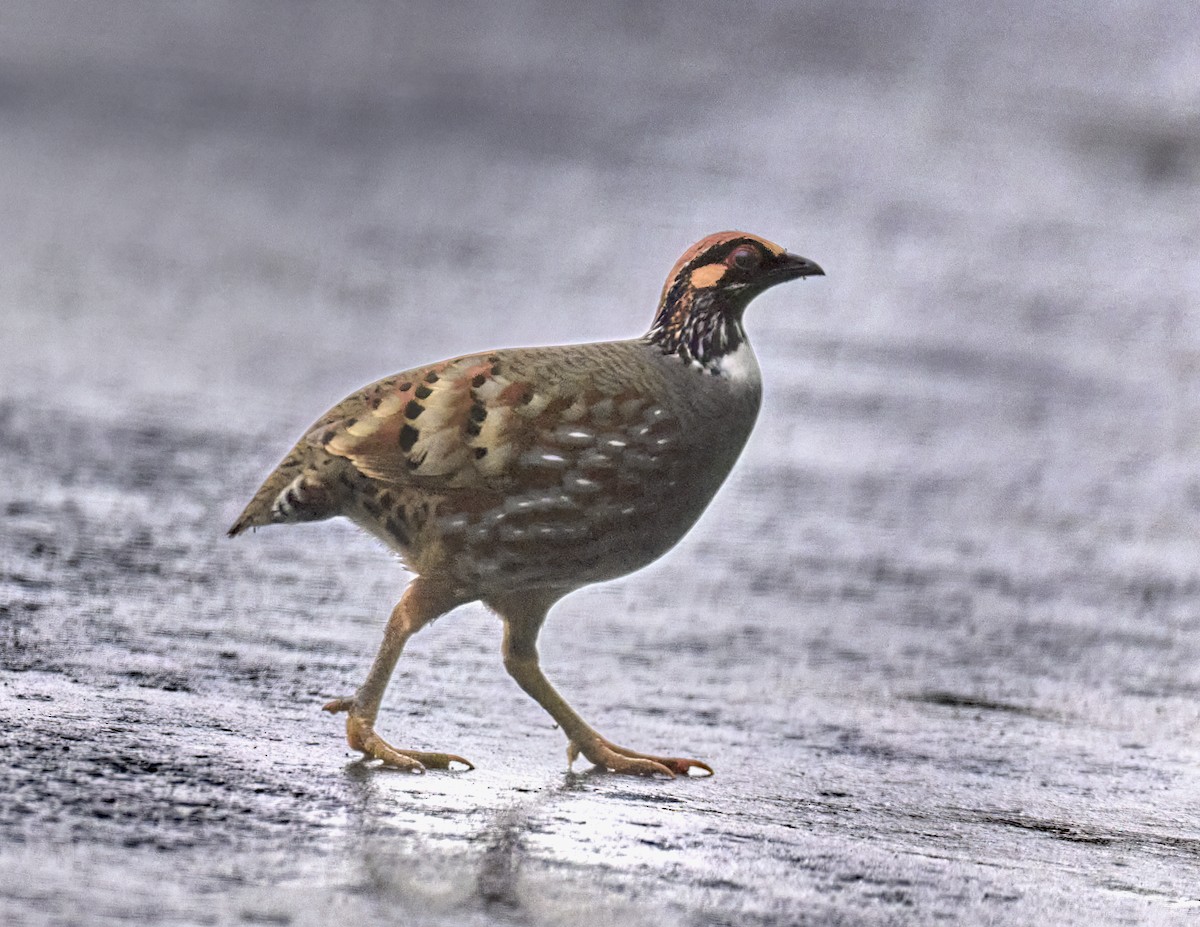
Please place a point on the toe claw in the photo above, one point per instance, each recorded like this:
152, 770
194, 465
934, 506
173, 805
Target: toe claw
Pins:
338, 705
685, 767
628, 762
440, 760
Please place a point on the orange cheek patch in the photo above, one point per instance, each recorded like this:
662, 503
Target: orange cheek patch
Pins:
708, 275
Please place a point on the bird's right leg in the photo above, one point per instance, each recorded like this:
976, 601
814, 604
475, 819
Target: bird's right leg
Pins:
421, 602
523, 616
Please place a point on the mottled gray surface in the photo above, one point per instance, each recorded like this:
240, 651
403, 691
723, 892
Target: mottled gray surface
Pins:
938, 635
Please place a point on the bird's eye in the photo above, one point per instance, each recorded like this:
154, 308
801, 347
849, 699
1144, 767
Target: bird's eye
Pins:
745, 258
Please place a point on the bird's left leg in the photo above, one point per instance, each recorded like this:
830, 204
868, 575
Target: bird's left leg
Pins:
422, 601
523, 617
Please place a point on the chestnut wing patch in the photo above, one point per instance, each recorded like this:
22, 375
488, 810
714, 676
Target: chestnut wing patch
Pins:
461, 423
471, 423
407, 428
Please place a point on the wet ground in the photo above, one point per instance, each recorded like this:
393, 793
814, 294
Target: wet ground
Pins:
938, 634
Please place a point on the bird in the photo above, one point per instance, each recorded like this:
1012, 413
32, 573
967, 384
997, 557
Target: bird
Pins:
515, 476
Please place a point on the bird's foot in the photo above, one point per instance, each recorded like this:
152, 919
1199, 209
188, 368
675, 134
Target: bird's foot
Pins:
607, 755
360, 733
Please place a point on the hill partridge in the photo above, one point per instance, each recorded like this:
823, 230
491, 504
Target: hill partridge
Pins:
516, 476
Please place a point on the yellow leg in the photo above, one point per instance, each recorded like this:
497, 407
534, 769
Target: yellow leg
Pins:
523, 617
421, 603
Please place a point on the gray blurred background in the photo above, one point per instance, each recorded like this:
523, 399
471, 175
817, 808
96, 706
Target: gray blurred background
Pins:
938, 634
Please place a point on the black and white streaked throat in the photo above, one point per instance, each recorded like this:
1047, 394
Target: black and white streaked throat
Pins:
699, 316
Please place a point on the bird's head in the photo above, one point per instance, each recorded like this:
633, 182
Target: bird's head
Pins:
700, 313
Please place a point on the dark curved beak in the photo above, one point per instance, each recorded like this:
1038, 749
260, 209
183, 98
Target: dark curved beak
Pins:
792, 266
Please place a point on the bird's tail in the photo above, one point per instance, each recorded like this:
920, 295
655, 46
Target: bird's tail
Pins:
293, 492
